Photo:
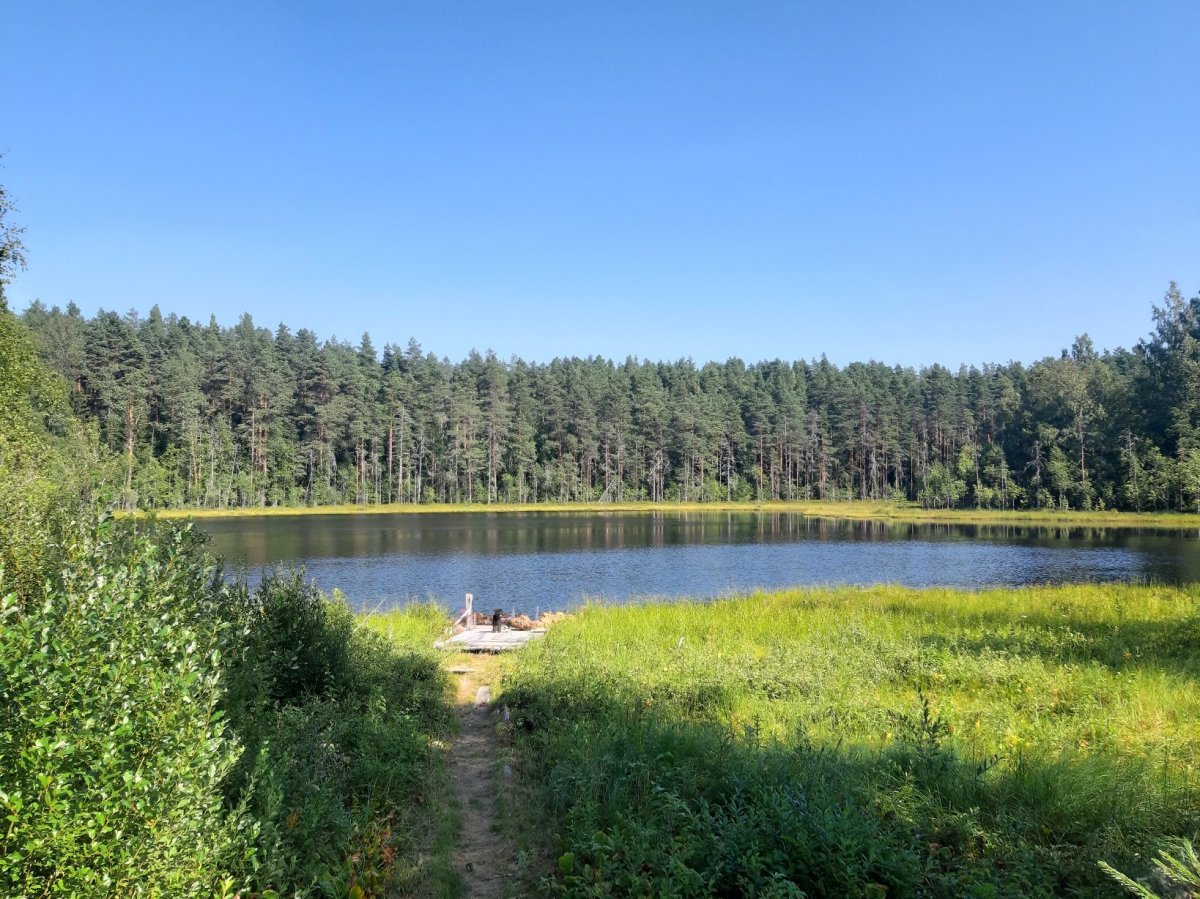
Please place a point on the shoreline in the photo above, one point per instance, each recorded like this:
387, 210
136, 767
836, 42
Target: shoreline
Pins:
854, 510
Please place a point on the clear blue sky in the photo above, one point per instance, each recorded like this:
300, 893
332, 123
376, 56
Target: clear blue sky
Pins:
911, 182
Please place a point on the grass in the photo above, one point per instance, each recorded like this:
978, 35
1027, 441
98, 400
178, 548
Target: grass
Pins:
426, 870
342, 729
411, 628
436, 876
857, 510
860, 742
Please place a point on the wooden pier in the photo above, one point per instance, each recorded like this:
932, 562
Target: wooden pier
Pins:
484, 639
481, 638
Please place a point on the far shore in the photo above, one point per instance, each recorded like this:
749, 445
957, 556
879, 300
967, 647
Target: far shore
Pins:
900, 513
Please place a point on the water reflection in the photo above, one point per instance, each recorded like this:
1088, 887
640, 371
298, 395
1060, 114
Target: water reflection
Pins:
554, 560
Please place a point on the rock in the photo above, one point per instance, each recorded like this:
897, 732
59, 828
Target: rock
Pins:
520, 623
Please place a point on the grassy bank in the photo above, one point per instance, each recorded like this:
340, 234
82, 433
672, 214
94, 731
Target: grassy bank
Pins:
862, 511
875, 742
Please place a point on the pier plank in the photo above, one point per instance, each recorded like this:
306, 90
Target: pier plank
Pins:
486, 640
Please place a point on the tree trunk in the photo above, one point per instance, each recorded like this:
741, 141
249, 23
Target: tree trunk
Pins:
128, 447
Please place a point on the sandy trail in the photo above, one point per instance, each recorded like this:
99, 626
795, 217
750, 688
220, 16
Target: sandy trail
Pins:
483, 855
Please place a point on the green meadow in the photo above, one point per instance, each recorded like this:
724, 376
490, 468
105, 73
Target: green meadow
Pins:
859, 742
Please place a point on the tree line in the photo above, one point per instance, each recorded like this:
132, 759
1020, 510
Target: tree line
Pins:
219, 417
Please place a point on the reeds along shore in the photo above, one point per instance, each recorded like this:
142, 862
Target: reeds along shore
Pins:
839, 741
865, 510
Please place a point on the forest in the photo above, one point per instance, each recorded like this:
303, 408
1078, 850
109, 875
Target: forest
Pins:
207, 416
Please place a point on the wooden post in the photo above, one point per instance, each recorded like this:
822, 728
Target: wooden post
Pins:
470, 612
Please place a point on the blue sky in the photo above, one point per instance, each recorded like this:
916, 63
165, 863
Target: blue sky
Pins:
911, 182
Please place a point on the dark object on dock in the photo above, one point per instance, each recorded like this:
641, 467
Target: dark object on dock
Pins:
463, 633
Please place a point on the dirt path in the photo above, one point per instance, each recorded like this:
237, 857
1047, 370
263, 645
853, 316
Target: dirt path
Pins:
484, 855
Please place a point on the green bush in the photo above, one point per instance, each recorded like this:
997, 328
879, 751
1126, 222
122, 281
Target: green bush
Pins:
112, 743
44, 462
336, 722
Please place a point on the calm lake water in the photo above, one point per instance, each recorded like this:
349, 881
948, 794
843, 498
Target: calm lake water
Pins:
558, 560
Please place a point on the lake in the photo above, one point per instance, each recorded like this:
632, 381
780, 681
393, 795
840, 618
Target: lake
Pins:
532, 561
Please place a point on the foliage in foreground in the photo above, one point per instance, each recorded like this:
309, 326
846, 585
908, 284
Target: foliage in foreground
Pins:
112, 746
863, 743
163, 734
1179, 873
336, 722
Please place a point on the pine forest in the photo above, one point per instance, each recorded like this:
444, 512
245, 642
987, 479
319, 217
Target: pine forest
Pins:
206, 416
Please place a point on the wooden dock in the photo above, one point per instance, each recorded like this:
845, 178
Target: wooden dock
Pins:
476, 637
484, 639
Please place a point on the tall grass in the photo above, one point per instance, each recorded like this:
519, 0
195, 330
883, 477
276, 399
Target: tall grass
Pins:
414, 627
864, 742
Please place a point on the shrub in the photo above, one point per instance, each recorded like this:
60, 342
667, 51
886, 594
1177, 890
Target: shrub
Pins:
336, 722
43, 462
112, 745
